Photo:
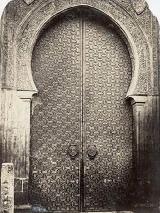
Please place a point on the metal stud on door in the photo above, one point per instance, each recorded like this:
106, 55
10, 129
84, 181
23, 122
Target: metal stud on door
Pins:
81, 134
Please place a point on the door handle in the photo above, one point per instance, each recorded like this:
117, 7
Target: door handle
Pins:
73, 151
92, 152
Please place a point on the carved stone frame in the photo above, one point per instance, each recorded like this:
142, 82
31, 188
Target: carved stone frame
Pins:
18, 87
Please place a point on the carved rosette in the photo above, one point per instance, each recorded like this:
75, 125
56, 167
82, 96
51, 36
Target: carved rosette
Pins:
28, 1
138, 5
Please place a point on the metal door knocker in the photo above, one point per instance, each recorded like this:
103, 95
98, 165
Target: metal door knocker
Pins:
92, 152
73, 151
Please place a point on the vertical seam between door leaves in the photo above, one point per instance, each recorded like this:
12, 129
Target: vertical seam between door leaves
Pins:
82, 29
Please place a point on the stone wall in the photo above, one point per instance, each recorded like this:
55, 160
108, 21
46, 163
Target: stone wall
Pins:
21, 23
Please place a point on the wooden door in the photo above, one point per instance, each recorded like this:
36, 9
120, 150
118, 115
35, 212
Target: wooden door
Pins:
108, 160
81, 125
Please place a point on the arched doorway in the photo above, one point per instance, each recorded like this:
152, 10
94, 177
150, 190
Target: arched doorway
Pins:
81, 124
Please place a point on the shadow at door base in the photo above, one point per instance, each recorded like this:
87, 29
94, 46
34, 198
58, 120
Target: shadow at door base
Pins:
110, 211
28, 209
141, 211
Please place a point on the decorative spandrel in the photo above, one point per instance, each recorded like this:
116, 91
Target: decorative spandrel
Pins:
139, 5
56, 119
107, 117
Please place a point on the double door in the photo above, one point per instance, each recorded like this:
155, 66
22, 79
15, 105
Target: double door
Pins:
81, 124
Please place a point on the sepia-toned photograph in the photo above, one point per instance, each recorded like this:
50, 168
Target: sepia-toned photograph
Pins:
79, 106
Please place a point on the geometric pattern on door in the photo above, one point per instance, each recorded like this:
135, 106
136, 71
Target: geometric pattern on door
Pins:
82, 70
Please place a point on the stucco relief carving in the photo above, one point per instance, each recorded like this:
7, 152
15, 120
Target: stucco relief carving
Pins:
29, 1
139, 5
35, 22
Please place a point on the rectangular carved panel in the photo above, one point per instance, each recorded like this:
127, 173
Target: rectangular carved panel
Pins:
7, 188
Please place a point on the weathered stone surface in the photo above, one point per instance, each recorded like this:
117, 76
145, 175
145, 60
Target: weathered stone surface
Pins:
7, 188
22, 23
